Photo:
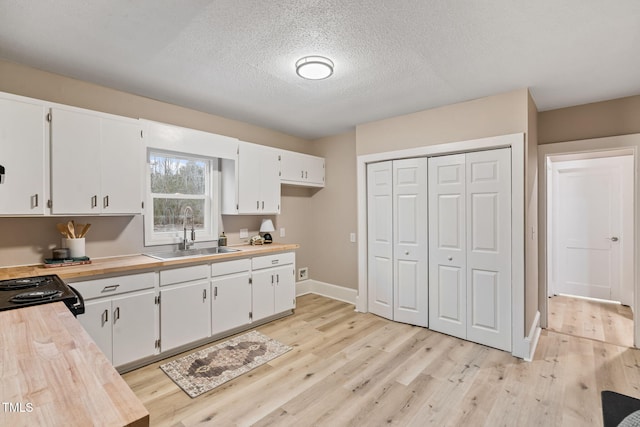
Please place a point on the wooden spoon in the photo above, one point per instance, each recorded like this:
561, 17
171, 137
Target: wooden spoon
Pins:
62, 228
72, 231
85, 229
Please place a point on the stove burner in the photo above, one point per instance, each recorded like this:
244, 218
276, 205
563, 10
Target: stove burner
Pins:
30, 282
36, 296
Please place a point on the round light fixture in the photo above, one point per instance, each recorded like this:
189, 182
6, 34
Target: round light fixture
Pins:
314, 67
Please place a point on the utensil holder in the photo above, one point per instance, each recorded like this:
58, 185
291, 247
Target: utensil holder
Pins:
76, 247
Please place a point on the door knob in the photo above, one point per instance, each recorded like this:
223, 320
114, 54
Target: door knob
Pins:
613, 239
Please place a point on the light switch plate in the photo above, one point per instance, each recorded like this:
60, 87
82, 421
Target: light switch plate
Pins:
244, 233
352, 237
282, 232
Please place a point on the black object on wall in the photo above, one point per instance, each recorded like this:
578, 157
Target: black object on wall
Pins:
1, 174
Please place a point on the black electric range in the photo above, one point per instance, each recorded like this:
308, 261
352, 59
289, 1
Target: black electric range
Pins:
27, 291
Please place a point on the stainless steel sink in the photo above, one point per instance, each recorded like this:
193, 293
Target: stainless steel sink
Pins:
190, 253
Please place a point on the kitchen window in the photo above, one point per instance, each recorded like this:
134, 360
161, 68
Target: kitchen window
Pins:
175, 182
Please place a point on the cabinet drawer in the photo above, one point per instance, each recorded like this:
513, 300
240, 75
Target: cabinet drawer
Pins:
272, 260
230, 267
114, 285
184, 274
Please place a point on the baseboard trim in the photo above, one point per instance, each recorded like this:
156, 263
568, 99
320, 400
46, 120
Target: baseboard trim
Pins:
533, 337
328, 290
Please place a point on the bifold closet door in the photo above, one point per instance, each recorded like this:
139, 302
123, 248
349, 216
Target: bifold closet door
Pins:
397, 240
470, 246
447, 245
380, 238
410, 282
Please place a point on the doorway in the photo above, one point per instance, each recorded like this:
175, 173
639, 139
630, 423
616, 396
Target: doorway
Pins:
587, 241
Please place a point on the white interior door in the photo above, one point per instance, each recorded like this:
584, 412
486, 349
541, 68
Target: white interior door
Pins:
410, 241
488, 263
591, 222
447, 245
380, 238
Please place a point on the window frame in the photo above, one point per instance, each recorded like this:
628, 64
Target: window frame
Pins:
211, 201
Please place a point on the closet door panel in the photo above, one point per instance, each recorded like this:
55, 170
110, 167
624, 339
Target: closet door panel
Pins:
489, 247
447, 245
380, 238
410, 241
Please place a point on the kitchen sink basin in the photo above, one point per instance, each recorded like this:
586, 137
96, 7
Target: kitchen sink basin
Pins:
190, 253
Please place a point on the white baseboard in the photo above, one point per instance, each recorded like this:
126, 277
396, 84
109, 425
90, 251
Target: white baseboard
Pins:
328, 290
532, 338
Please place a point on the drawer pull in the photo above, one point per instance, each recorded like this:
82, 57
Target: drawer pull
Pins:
110, 288
275, 261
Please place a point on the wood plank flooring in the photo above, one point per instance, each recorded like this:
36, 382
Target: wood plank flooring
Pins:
608, 322
354, 369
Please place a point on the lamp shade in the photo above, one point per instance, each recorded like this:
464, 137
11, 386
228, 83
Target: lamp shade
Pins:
267, 226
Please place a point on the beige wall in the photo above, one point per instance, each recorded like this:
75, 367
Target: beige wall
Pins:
491, 116
29, 240
333, 214
600, 119
532, 288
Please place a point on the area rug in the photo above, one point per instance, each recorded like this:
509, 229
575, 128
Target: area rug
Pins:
616, 407
206, 369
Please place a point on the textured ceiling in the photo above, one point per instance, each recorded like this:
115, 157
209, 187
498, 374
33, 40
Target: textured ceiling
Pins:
235, 58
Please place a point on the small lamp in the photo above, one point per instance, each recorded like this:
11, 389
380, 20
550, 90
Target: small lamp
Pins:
266, 227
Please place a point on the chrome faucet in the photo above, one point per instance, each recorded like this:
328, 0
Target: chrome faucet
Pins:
185, 242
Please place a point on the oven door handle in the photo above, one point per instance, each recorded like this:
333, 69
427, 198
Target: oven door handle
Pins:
78, 307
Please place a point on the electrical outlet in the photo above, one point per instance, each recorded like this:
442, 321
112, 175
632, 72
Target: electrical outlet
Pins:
352, 237
282, 234
303, 273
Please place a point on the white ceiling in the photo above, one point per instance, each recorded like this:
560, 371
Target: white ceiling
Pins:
235, 58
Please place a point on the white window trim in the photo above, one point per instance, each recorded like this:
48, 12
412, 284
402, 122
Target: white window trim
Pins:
152, 238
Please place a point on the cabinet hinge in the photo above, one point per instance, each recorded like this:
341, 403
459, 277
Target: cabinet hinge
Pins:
49, 204
157, 299
251, 315
49, 117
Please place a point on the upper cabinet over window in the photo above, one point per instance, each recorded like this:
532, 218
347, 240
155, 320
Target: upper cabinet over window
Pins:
96, 163
252, 184
302, 169
22, 154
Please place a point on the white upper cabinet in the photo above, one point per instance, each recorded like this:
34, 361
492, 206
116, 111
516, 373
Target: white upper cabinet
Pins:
96, 163
22, 154
302, 169
251, 185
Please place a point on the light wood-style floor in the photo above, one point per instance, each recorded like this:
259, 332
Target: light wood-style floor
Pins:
607, 322
354, 369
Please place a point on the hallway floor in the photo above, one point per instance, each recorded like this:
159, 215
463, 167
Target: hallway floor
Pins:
601, 321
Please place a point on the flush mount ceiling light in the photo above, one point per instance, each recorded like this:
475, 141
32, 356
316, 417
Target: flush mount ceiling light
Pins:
314, 67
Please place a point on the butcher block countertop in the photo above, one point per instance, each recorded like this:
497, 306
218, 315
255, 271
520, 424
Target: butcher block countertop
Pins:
131, 263
53, 374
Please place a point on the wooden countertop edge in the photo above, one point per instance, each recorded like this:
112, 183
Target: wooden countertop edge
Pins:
132, 263
52, 350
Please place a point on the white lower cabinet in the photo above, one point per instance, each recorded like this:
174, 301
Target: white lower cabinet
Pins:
273, 289
185, 308
120, 316
231, 295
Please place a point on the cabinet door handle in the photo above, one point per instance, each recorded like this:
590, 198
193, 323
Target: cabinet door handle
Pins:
306, 174
105, 316
301, 174
277, 278
35, 200
94, 201
272, 279
263, 205
105, 201
215, 292
204, 294
257, 204
116, 315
